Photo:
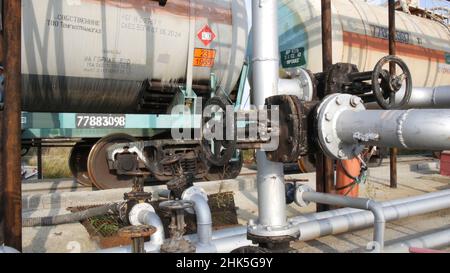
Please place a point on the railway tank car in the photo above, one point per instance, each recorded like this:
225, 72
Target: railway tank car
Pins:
118, 56
360, 36
129, 57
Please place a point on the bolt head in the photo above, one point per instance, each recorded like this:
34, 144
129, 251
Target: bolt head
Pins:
329, 139
355, 101
341, 153
269, 228
338, 100
328, 116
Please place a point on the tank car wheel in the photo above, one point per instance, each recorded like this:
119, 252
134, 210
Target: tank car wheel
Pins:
78, 163
97, 164
217, 152
386, 90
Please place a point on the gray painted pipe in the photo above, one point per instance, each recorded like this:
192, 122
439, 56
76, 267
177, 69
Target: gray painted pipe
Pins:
8, 250
435, 240
364, 219
424, 129
204, 219
265, 67
423, 97
239, 233
359, 203
152, 219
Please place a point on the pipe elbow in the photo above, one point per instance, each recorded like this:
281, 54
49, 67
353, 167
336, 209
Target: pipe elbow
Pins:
377, 210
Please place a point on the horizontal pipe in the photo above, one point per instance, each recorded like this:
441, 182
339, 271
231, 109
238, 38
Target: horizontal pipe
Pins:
220, 245
220, 236
364, 219
434, 240
424, 129
423, 97
359, 203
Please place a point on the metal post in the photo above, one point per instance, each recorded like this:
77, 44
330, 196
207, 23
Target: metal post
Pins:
39, 161
2, 185
392, 51
324, 168
11, 125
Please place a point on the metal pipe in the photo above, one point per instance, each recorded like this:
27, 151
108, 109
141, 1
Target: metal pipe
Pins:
203, 215
152, 219
359, 203
364, 219
265, 65
434, 240
409, 129
12, 125
220, 237
9, 250
422, 98
221, 245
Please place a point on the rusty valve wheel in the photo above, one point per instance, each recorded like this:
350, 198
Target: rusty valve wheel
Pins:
137, 235
217, 152
386, 90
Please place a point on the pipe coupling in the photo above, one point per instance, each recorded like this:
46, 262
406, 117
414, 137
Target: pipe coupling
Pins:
299, 200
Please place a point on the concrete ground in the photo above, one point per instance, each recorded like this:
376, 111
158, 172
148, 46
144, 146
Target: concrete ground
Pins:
416, 175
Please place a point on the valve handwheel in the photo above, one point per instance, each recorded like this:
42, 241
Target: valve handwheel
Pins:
385, 90
217, 151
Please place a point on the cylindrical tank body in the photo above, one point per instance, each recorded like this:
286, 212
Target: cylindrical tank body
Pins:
360, 36
102, 56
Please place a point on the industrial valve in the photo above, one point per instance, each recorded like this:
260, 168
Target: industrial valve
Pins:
137, 234
384, 83
176, 243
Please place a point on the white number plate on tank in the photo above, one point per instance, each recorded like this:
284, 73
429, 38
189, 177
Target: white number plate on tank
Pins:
102, 121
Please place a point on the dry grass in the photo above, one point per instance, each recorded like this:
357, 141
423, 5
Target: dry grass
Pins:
55, 162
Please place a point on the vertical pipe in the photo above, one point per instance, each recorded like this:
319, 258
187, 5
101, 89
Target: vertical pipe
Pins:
392, 51
12, 126
265, 63
39, 161
324, 169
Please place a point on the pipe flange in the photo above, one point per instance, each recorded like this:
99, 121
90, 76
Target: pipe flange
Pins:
133, 216
327, 116
305, 80
273, 231
299, 195
190, 192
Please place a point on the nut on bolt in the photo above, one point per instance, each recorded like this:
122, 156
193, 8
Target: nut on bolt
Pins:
355, 101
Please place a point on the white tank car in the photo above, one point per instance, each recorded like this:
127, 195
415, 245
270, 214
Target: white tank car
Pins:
106, 56
360, 36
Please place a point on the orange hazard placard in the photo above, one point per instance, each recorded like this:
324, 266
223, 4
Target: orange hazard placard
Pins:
204, 57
